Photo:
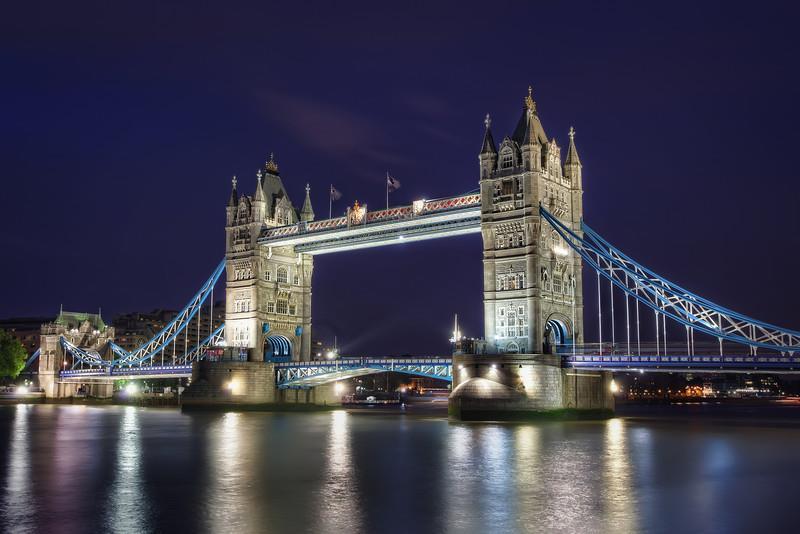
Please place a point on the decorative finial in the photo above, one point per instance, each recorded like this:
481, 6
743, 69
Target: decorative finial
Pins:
487, 121
271, 165
259, 174
233, 181
571, 133
308, 188
529, 102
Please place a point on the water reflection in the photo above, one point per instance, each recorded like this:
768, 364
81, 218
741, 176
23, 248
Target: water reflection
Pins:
231, 507
128, 508
340, 506
17, 499
618, 491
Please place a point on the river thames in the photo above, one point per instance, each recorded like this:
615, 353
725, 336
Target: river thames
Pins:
75, 469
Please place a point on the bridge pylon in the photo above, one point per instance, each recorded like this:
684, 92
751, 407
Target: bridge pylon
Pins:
268, 289
532, 283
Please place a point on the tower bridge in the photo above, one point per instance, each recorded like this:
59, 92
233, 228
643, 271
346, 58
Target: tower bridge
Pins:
536, 247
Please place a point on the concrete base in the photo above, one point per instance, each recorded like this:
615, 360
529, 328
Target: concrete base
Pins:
237, 382
324, 395
518, 386
96, 389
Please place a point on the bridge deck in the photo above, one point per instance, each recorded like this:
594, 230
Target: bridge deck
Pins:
425, 219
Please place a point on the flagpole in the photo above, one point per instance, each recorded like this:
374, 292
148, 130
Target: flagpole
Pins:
330, 202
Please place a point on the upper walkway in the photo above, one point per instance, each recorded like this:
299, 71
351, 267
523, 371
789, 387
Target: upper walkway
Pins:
360, 228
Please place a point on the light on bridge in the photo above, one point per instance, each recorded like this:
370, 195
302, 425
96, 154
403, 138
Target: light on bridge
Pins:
613, 387
131, 389
233, 387
338, 388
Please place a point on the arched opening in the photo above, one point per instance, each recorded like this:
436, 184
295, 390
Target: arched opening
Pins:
277, 348
556, 333
512, 348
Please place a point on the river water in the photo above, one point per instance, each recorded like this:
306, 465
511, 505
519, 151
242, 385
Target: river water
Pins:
79, 469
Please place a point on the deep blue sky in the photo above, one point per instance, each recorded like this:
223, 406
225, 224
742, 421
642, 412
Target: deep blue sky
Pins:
121, 125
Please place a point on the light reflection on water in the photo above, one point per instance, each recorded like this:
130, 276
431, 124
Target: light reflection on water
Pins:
17, 512
72, 469
128, 504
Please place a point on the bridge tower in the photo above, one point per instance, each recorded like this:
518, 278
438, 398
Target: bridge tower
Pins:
533, 298
268, 289
84, 330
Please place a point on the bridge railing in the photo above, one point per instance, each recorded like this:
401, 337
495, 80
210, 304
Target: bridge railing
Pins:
419, 208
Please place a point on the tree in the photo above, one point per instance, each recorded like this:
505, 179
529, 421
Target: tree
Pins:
12, 355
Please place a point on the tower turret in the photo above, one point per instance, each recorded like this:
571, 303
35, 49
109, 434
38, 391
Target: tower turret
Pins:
572, 165
230, 210
488, 155
259, 201
307, 213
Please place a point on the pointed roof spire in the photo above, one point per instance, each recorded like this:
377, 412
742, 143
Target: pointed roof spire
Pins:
234, 194
307, 213
572, 152
488, 146
529, 128
259, 194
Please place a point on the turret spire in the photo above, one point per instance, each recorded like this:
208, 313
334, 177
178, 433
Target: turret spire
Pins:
488, 146
307, 213
259, 194
572, 152
234, 194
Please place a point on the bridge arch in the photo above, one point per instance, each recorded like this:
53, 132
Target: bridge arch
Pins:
557, 331
277, 347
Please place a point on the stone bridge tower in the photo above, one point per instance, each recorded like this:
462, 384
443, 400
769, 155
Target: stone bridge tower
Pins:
268, 290
532, 283
85, 330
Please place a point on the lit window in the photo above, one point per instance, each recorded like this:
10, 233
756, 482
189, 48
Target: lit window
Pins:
283, 275
282, 307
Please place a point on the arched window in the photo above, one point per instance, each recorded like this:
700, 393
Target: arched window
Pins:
507, 160
283, 275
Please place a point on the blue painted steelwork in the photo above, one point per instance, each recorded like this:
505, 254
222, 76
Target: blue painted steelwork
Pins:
682, 362
308, 374
158, 342
33, 358
671, 300
279, 348
198, 352
178, 324
120, 373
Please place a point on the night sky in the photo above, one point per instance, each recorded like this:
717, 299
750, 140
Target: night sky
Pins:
121, 127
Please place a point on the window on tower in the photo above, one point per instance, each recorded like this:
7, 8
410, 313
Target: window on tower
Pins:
282, 307
283, 275
507, 160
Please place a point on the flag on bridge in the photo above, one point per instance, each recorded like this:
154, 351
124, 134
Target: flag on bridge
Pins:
334, 195
392, 183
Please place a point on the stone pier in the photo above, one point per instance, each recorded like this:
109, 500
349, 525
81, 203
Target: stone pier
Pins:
519, 386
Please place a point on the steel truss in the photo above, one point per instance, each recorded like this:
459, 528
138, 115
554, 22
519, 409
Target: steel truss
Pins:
198, 352
306, 374
162, 339
671, 300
